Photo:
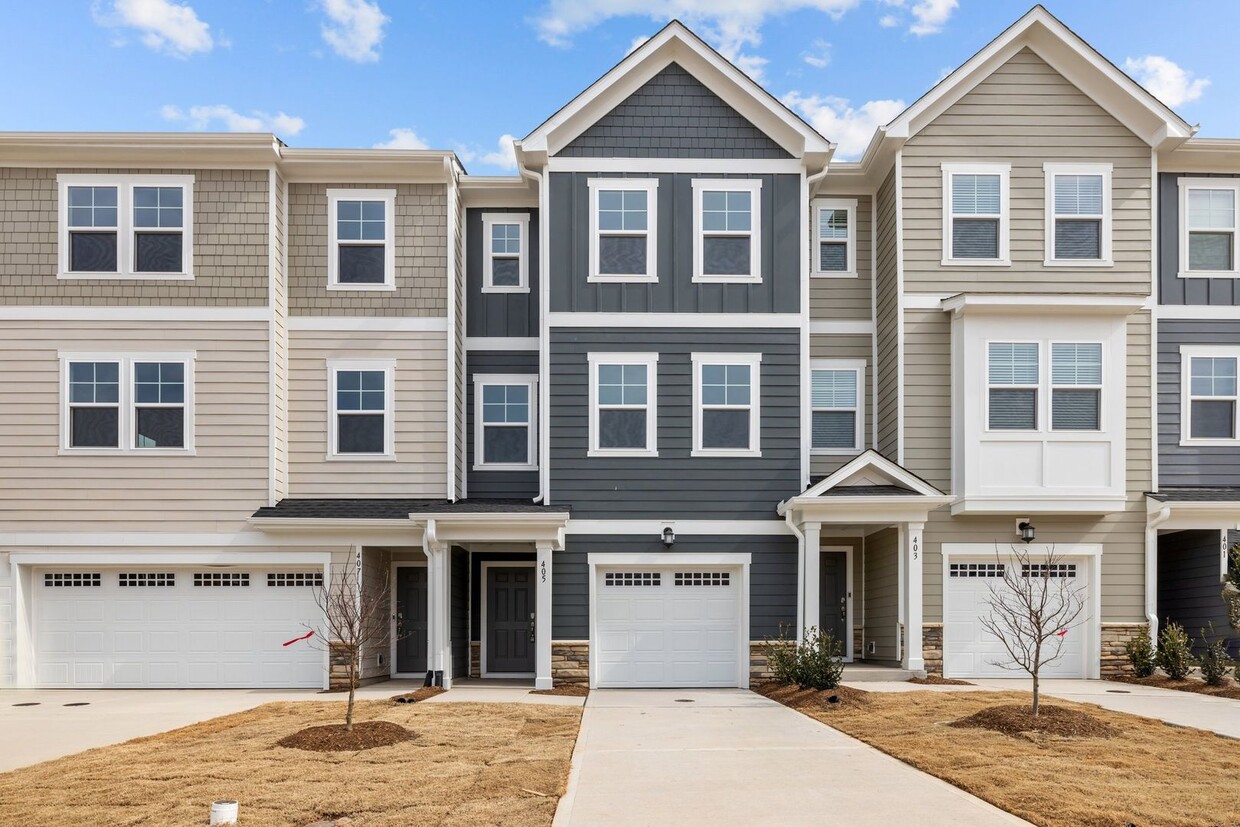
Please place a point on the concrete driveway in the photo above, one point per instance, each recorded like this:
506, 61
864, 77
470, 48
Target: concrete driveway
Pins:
730, 757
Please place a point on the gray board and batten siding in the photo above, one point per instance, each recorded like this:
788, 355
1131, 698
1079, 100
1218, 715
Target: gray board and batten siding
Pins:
1191, 465
1206, 290
1190, 585
490, 483
674, 484
513, 314
673, 115
675, 292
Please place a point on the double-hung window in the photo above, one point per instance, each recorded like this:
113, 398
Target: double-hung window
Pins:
837, 400
726, 404
727, 237
835, 241
126, 226
1076, 386
127, 402
1210, 394
505, 426
1208, 228
1013, 377
361, 416
623, 229
623, 404
975, 214
361, 253
504, 239
1078, 214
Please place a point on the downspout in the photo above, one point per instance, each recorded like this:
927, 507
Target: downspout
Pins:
800, 535
544, 345
806, 460
1151, 570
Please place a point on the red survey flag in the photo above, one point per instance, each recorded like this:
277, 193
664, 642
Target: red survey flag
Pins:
294, 640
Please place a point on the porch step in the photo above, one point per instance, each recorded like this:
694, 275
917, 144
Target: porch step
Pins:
861, 672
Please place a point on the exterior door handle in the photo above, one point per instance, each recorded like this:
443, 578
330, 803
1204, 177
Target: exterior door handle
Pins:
531, 627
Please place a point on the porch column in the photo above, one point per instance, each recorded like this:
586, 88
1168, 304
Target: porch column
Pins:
542, 617
911, 552
813, 568
436, 596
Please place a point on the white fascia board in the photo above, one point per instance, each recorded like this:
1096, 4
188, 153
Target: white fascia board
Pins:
1198, 312
878, 510
1078, 304
1038, 505
871, 459
683, 528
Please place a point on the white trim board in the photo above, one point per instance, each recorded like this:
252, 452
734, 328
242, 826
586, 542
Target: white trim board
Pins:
43, 313
738, 321
654, 528
749, 166
1190, 312
505, 343
435, 324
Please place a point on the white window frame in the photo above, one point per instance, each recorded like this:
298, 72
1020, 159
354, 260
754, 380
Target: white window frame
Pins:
388, 198
1187, 354
651, 363
1104, 170
489, 220
651, 187
857, 366
126, 249
126, 414
1039, 411
1004, 171
1186, 184
530, 380
754, 361
388, 366
1049, 373
753, 186
849, 205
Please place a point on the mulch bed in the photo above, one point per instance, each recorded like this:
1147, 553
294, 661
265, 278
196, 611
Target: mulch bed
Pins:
1229, 689
1017, 719
798, 698
939, 680
419, 695
334, 738
569, 690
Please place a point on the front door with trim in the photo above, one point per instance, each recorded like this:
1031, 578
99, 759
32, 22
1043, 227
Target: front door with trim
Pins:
833, 596
411, 619
510, 620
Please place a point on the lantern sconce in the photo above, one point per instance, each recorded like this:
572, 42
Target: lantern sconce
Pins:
668, 537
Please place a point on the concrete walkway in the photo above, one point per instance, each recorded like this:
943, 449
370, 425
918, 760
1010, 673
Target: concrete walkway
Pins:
730, 757
1221, 715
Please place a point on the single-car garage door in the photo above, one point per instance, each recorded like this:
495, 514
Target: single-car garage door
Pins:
972, 652
175, 627
667, 626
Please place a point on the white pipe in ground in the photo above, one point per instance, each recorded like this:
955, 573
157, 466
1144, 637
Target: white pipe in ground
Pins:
224, 812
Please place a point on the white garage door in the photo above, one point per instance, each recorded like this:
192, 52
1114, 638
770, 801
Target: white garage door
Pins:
175, 627
972, 652
666, 626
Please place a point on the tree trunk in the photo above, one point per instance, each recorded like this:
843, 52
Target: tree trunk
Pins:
348, 715
1035, 694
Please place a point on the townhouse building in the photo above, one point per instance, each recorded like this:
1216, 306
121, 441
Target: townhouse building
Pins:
682, 382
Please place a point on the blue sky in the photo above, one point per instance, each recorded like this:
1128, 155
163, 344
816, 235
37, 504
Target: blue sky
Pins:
470, 75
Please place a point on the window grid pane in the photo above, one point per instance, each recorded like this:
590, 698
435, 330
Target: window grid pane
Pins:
728, 212
1013, 363
360, 221
1078, 195
622, 386
94, 207
360, 390
159, 383
725, 386
1213, 376
833, 224
158, 207
96, 383
976, 194
1076, 363
622, 211
834, 389
506, 404
505, 239
1210, 209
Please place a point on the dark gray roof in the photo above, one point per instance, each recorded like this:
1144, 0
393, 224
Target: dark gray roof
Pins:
373, 509
1210, 494
869, 491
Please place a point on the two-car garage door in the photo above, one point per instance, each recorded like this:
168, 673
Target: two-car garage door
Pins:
668, 626
175, 627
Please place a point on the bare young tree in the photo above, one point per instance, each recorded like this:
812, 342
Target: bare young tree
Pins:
1033, 607
353, 617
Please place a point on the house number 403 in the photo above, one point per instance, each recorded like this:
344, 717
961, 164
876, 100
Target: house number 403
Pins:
542, 571
916, 546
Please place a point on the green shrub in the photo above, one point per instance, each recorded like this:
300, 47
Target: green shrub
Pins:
1175, 651
1141, 654
820, 660
1214, 660
781, 657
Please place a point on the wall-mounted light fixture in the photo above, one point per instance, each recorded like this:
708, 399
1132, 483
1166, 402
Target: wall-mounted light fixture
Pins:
1027, 531
668, 536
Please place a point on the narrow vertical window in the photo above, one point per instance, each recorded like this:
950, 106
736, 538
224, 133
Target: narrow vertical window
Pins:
835, 246
360, 248
158, 226
504, 428
159, 404
727, 238
836, 400
622, 232
505, 267
975, 214
362, 409
1076, 386
726, 409
94, 405
94, 227
623, 403
1012, 397
1212, 397
1078, 213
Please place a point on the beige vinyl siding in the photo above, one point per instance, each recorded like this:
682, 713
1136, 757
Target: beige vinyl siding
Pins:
279, 341
230, 243
887, 312
215, 489
882, 593
845, 346
845, 298
1026, 114
420, 404
927, 396
421, 255
1122, 535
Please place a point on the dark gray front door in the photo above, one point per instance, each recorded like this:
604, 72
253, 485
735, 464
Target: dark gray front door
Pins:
833, 596
411, 619
510, 619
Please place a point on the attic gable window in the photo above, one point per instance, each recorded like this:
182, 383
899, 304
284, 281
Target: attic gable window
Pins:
975, 214
623, 229
727, 235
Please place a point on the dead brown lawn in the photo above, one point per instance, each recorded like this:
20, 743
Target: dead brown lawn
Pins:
468, 764
1228, 689
1149, 774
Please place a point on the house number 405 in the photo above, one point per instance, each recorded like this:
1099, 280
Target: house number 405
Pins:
542, 571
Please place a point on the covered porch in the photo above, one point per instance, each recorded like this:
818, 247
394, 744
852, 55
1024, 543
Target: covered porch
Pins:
860, 557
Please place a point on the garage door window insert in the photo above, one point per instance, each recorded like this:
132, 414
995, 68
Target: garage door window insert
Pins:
632, 578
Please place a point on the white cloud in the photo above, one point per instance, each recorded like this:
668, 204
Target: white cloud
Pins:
1166, 80
889, 21
504, 156
636, 44
354, 28
819, 54
931, 15
171, 28
850, 127
217, 117
402, 139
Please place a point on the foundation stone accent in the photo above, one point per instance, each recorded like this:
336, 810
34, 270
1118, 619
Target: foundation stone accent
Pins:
932, 647
570, 661
1114, 660
338, 672
475, 658
759, 669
